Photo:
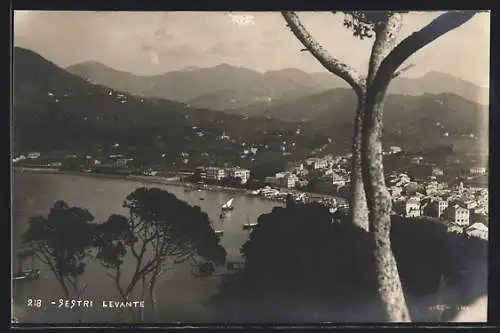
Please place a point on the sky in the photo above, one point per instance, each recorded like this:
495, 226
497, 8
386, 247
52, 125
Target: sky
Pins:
147, 43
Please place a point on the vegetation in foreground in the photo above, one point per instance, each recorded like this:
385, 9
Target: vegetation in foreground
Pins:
301, 263
299, 267
159, 230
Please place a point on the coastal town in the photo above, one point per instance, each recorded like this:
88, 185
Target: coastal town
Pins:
460, 203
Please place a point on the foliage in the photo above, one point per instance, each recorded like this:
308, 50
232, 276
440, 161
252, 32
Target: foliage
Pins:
298, 251
62, 241
308, 249
159, 227
364, 23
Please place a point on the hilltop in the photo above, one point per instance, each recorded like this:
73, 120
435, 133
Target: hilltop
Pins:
226, 87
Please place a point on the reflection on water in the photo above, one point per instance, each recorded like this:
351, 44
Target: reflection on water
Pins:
180, 296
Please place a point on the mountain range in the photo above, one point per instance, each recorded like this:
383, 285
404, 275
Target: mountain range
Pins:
56, 109
226, 87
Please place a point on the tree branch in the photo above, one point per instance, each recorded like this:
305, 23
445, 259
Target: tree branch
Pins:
335, 66
419, 39
402, 70
386, 33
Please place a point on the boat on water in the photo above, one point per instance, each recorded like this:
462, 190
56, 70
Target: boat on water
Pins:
249, 226
219, 232
32, 274
228, 205
255, 192
202, 198
301, 197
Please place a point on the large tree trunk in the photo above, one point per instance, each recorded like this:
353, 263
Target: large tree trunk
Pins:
359, 209
378, 198
379, 201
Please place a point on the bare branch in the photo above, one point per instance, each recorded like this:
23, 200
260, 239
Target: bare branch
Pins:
402, 70
419, 39
82, 291
44, 259
134, 252
335, 66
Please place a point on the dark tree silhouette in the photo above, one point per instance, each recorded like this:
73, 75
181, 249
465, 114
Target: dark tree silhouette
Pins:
299, 253
63, 242
159, 227
385, 58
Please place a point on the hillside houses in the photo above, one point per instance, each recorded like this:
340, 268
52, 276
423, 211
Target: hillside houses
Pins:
316, 163
283, 179
461, 207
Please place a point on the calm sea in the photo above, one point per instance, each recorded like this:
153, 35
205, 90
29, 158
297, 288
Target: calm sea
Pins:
180, 295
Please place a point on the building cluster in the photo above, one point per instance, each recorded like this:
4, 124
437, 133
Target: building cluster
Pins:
463, 205
332, 174
218, 173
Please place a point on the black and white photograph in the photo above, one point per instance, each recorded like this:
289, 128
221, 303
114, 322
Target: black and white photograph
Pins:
228, 167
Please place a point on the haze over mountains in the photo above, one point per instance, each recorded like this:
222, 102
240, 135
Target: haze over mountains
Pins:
56, 109
226, 87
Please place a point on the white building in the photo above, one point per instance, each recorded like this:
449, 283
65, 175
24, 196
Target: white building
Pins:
438, 207
243, 174
395, 149
337, 179
317, 163
441, 207
290, 180
280, 175
437, 171
215, 173
477, 171
33, 155
416, 160
458, 215
412, 207
121, 162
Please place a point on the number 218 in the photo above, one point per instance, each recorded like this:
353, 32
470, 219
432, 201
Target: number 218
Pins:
34, 303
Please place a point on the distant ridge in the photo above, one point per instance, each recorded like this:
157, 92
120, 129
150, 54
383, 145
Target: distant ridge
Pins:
226, 87
56, 109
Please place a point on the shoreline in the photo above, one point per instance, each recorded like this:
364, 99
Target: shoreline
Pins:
166, 181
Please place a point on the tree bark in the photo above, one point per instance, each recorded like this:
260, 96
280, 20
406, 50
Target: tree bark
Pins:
379, 201
359, 208
377, 196
143, 292
152, 298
